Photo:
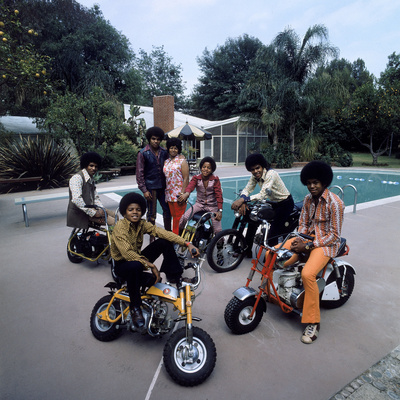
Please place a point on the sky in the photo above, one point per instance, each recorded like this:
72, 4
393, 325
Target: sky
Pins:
366, 29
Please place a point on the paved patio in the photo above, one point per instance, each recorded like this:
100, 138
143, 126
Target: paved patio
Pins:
48, 351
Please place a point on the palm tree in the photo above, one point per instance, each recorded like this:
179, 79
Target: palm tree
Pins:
297, 60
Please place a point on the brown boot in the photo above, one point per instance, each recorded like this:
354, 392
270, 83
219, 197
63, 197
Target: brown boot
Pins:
137, 317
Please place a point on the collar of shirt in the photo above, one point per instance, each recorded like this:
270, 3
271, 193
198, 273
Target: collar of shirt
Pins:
149, 148
264, 175
87, 177
325, 195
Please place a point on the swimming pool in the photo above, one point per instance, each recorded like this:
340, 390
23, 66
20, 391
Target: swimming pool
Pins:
371, 185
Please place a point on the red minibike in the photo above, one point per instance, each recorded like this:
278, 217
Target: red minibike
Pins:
283, 286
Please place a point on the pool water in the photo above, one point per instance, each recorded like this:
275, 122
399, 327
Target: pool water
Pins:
370, 185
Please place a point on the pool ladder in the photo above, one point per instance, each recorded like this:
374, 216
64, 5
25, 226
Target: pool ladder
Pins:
341, 189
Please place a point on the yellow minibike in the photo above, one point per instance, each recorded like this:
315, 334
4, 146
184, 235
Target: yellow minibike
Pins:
189, 354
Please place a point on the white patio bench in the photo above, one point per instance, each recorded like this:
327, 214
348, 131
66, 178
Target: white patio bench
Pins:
24, 201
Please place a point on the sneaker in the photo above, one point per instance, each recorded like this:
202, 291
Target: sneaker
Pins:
310, 334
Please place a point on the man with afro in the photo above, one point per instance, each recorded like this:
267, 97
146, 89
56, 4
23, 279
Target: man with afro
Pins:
82, 191
321, 218
272, 189
131, 261
150, 177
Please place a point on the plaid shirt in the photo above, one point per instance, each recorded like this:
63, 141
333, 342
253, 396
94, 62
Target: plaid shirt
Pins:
323, 220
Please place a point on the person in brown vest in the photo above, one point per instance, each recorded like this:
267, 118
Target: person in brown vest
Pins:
82, 191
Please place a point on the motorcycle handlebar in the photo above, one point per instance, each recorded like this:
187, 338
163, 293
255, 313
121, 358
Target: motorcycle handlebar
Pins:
96, 207
304, 236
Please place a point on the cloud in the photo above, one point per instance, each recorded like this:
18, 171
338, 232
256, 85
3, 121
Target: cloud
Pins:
363, 13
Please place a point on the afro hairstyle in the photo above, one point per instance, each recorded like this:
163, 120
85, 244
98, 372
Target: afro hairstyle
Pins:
90, 157
317, 170
130, 198
256, 159
209, 160
175, 142
154, 131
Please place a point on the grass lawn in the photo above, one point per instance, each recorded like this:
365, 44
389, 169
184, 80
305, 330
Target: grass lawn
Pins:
365, 160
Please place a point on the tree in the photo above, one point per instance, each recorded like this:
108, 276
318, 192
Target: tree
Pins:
159, 76
23, 70
224, 73
276, 94
390, 84
367, 113
90, 122
130, 89
297, 60
86, 51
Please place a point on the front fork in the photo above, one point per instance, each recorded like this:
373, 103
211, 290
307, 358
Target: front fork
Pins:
189, 317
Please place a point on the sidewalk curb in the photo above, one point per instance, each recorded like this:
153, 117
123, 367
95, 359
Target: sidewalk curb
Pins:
379, 382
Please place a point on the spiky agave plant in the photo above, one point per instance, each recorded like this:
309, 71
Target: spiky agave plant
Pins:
40, 156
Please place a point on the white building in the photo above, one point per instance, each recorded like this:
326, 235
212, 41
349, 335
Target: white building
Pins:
230, 143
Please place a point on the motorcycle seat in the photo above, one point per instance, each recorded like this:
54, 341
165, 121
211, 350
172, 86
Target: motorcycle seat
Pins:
298, 206
198, 216
342, 248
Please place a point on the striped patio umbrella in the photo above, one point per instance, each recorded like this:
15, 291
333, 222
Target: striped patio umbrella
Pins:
189, 132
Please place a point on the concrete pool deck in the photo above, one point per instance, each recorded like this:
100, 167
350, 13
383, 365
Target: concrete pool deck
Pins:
48, 351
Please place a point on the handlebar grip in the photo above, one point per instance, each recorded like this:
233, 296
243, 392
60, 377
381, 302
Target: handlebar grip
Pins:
306, 236
193, 252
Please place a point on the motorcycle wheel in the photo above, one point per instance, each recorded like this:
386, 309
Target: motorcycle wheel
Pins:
226, 250
349, 286
104, 330
185, 369
72, 257
237, 312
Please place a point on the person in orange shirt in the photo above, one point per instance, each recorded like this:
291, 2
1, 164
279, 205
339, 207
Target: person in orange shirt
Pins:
322, 218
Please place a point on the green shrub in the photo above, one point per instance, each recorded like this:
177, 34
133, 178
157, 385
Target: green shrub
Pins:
40, 156
345, 159
125, 153
284, 156
309, 147
268, 152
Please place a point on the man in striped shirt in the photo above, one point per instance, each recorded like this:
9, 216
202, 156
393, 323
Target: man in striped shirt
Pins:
322, 218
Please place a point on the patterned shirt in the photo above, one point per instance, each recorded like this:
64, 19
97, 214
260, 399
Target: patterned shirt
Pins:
75, 185
323, 220
127, 239
173, 174
272, 187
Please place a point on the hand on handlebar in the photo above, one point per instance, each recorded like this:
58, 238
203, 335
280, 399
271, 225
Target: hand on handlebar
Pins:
99, 213
240, 206
237, 204
194, 251
183, 197
298, 246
